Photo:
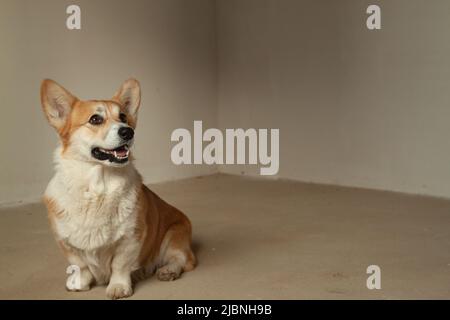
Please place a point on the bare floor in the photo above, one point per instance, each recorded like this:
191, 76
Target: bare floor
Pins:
259, 239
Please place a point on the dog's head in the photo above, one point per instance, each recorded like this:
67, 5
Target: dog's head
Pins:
93, 130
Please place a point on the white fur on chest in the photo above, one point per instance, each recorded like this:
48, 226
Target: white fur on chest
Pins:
98, 203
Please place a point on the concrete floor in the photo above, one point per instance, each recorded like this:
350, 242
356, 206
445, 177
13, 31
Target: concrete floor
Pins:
259, 239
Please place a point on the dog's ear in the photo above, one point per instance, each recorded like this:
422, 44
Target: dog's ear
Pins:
57, 103
129, 96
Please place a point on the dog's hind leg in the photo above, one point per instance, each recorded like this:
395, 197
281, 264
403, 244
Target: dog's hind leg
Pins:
176, 255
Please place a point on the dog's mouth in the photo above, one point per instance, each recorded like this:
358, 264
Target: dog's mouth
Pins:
117, 155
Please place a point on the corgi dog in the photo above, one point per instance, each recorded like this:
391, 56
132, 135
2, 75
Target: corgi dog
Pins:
109, 225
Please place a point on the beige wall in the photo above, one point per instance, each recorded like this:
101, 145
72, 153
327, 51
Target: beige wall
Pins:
354, 107
169, 45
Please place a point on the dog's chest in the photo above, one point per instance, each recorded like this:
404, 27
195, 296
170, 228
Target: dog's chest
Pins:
97, 209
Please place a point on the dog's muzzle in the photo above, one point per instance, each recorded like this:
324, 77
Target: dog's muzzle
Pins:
117, 155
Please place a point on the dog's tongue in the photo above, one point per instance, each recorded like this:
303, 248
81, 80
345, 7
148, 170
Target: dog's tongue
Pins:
121, 152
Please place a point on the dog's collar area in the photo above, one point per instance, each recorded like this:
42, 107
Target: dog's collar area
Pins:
117, 155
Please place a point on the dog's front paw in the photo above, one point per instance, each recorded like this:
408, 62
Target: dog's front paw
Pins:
79, 279
75, 289
118, 291
75, 286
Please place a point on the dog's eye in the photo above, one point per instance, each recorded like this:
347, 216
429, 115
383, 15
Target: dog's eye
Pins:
123, 117
96, 119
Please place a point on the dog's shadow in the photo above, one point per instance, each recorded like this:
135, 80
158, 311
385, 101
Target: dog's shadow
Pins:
196, 247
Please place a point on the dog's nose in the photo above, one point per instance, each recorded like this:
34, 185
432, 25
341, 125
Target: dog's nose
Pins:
126, 133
